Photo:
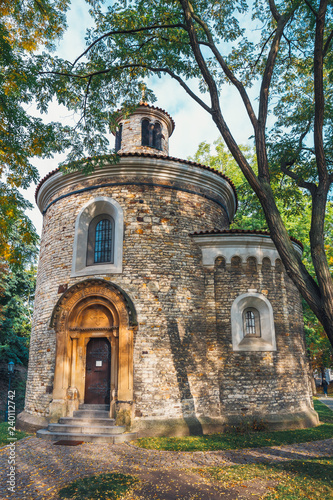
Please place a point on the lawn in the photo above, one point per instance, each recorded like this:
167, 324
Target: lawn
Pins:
289, 480
4, 434
101, 486
234, 440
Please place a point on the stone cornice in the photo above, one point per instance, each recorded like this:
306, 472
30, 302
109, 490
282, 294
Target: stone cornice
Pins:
161, 169
241, 245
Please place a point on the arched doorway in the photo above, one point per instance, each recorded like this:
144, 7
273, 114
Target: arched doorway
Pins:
94, 325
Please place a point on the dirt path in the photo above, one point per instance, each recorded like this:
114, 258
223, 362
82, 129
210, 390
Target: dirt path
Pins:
42, 468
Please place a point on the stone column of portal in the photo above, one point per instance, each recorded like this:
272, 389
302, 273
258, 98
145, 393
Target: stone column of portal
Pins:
72, 392
114, 372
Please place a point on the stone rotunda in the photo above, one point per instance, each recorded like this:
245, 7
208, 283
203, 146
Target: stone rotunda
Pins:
148, 303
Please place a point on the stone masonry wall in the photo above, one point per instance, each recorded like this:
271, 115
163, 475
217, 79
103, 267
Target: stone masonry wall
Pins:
162, 274
261, 382
183, 359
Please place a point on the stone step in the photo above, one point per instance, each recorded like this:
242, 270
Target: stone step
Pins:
91, 414
87, 421
87, 438
85, 406
86, 429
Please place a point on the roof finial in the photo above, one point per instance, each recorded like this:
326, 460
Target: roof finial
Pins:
143, 93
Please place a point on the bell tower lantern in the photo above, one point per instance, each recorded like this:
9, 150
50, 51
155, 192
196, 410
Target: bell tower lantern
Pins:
147, 130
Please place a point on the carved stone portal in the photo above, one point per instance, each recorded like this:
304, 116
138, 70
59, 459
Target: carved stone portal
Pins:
90, 310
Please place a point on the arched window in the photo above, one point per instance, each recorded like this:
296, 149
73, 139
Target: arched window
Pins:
157, 136
145, 132
103, 241
151, 134
100, 240
118, 137
251, 320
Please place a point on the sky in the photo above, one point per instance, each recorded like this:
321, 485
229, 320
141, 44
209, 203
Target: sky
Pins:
193, 124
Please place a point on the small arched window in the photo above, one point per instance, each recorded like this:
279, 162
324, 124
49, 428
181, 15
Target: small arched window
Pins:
118, 137
145, 132
151, 134
157, 136
100, 240
103, 241
251, 321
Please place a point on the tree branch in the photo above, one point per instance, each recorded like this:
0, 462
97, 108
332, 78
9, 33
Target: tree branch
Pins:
310, 186
327, 44
311, 8
262, 49
216, 110
227, 71
274, 10
263, 169
187, 11
86, 98
318, 72
127, 32
126, 66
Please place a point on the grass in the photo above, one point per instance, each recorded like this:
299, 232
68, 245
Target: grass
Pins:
4, 434
101, 487
290, 480
229, 441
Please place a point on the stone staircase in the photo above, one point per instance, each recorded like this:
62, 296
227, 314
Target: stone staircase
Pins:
90, 423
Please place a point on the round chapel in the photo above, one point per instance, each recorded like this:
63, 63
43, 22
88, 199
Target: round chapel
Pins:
150, 309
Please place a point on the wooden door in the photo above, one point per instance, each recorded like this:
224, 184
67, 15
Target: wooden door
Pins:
98, 364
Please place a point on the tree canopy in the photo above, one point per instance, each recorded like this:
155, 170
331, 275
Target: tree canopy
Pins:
288, 63
25, 27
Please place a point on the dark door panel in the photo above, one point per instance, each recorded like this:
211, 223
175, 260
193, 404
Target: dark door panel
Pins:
98, 363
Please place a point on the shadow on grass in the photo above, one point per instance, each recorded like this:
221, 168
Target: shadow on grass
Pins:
292, 480
231, 441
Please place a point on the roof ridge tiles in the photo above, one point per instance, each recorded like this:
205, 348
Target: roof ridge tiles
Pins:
242, 231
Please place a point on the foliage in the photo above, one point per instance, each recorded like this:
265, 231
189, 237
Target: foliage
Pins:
18, 236
16, 304
17, 285
290, 479
320, 349
25, 27
249, 214
230, 441
287, 64
102, 486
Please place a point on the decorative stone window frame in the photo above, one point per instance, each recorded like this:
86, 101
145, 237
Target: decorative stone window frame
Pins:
243, 342
95, 207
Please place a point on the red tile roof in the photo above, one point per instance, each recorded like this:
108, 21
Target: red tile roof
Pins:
160, 157
149, 106
243, 231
